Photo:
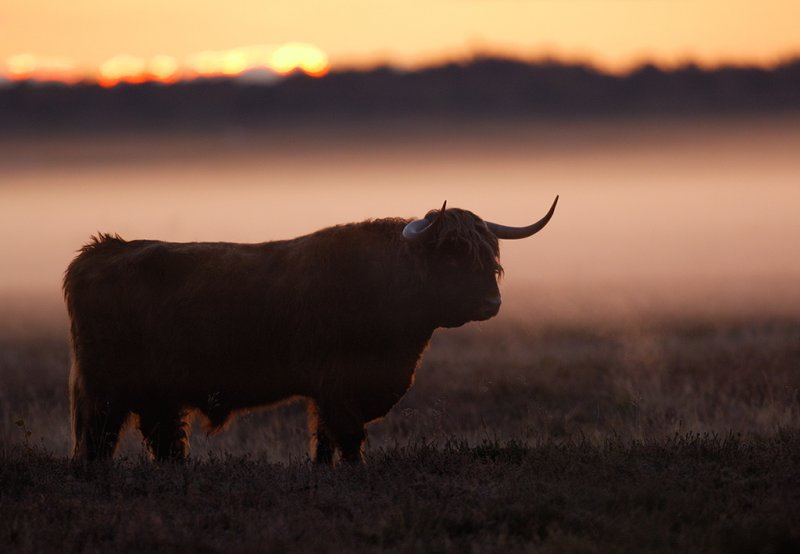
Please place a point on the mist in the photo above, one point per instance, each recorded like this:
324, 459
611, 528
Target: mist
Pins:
680, 217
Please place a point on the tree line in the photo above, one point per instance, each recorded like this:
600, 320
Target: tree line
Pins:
486, 87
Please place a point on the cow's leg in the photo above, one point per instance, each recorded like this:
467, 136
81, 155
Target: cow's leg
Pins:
96, 428
96, 417
320, 444
346, 429
351, 443
96, 421
165, 432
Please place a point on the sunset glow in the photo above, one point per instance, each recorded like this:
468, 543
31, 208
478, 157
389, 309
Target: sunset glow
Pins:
43, 39
164, 68
129, 69
278, 59
305, 57
29, 66
282, 59
614, 35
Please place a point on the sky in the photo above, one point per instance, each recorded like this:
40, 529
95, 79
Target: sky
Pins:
614, 34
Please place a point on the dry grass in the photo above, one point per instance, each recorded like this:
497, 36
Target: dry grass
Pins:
679, 436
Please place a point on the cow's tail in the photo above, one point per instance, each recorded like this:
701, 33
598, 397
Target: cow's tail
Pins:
79, 406
77, 403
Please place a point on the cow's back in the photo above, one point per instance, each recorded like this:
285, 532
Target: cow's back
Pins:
180, 319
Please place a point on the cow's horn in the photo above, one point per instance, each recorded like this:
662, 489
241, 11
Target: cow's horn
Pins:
506, 232
417, 229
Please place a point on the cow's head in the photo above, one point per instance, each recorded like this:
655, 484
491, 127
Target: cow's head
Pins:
462, 253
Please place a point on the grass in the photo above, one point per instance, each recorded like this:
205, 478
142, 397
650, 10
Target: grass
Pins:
666, 437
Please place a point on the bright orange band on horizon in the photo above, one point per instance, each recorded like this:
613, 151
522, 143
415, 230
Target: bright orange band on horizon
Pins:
271, 61
263, 63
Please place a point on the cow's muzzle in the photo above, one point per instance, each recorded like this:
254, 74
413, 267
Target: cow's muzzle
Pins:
490, 307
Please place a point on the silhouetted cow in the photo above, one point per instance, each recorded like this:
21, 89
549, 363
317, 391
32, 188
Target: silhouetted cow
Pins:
340, 317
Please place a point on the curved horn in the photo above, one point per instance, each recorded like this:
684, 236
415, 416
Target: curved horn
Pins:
419, 228
505, 232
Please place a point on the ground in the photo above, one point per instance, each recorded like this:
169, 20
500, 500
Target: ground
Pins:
664, 436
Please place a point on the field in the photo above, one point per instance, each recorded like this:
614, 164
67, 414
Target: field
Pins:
665, 436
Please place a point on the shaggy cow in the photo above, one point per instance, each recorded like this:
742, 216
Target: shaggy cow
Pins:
340, 317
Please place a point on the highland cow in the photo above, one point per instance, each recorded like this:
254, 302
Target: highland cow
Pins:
340, 317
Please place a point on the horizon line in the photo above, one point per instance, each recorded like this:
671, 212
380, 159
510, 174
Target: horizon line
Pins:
263, 74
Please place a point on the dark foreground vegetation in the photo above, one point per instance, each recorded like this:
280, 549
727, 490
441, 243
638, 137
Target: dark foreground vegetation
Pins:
670, 437
689, 493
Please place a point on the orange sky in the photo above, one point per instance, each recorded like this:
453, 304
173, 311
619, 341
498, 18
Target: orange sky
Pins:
613, 33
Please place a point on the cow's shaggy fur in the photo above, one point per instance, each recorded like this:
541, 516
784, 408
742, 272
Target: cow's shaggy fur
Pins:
340, 317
